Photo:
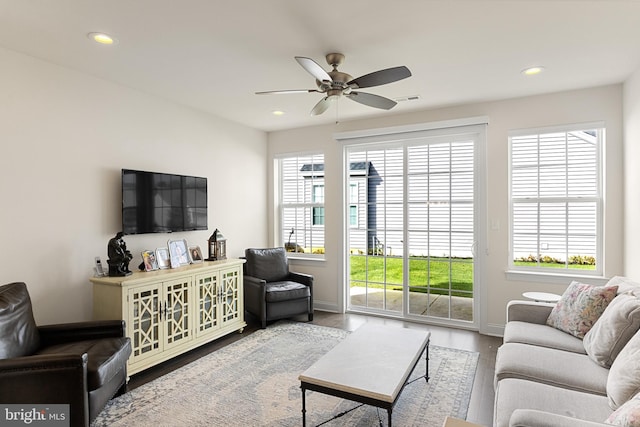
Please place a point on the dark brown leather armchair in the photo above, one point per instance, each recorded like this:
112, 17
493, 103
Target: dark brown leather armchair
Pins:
80, 364
273, 292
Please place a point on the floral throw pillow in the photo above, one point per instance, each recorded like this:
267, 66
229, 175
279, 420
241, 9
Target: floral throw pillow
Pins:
579, 308
627, 415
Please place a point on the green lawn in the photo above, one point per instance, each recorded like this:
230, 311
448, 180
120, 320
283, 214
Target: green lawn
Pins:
425, 274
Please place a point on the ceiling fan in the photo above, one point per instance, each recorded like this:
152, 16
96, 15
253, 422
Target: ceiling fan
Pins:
336, 83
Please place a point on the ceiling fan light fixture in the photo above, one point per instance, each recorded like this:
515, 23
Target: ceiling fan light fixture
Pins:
102, 38
532, 71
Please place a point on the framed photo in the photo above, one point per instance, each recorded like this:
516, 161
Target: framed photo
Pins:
195, 254
178, 253
149, 260
162, 257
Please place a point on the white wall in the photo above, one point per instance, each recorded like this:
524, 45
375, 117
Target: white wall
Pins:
65, 136
596, 104
632, 176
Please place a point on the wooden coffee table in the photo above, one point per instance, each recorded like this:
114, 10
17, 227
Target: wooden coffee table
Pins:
370, 366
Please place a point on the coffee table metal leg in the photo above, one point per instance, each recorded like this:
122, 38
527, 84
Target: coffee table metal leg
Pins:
304, 407
426, 351
389, 413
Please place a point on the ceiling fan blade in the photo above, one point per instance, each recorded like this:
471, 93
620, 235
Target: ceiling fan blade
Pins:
381, 77
313, 68
271, 92
372, 100
323, 105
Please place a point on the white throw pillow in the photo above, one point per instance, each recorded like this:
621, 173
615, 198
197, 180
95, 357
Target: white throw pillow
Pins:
611, 332
625, 285
623, 381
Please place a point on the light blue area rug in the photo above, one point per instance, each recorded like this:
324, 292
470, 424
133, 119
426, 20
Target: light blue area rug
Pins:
254, 382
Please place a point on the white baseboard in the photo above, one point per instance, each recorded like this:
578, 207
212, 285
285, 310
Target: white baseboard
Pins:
493, 329
326, 306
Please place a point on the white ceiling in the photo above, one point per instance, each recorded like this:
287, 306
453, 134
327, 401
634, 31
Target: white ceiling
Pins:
213, 55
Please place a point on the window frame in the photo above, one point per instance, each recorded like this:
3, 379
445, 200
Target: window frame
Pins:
310, 205
559, 275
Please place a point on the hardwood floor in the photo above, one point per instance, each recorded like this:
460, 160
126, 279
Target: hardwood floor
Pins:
480, 406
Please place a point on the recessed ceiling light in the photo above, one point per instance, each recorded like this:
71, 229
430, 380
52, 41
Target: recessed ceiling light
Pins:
102, 38
277, 113
532, 71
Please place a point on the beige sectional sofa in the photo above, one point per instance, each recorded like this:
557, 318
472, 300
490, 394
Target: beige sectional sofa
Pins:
552, 373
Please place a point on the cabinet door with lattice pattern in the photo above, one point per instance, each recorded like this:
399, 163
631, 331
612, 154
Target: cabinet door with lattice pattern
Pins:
177, 312
208, 307
231, 304
144, 305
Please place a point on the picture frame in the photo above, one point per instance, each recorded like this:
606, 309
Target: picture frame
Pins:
178, 253
149, 260
195, 254
162, 258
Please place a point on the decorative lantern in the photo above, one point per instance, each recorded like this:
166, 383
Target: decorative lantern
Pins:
217, 246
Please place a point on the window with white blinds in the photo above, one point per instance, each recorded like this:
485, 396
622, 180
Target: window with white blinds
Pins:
435, 182
301, 203
556, 199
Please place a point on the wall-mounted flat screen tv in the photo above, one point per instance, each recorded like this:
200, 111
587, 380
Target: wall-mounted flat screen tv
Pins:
162, 203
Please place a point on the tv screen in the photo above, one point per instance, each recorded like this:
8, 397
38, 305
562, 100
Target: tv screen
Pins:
161, 203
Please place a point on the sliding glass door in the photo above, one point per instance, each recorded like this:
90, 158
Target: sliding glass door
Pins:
411, 216
440, 214
376, 235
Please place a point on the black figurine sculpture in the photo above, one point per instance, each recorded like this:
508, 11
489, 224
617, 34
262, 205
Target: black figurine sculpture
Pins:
119, 256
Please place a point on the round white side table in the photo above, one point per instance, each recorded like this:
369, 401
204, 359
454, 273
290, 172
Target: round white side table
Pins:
542, 296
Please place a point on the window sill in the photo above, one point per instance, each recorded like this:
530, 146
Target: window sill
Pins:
312, 258
560, 278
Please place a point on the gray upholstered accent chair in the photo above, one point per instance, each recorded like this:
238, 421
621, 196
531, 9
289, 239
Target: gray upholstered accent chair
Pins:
273, 292
80, 364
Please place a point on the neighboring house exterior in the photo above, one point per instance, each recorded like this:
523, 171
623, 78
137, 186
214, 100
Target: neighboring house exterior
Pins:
375, 223
304, 227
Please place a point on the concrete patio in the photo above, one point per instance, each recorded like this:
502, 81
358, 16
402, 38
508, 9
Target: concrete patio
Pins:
424, 304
